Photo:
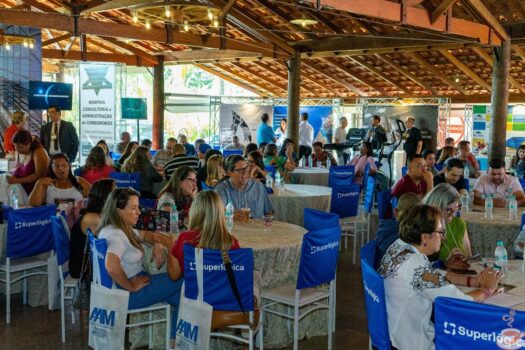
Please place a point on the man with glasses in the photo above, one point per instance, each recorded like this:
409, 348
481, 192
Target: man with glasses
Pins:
59, 136
453, 175
499, 185
164, 155
242, 191
417, 180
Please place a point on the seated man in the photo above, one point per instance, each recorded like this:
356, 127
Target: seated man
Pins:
417, 180
453, 175
430, 159
449, 141
179, 158
499, 185
242, 191
320, 155
235, 145
468, 159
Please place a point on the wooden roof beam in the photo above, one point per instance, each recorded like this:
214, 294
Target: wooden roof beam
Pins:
56, 39
489, 18
429, 67
443, 7
345, 70
276, 72
406, 73
519, 51
230, 80
392, 11
258, 76
314, 81
144, 55
343, 83
486, 57
377, 72
466, 69
130, 60
249, 80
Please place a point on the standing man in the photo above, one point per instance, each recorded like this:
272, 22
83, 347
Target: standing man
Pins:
59, 136
340, 137
265, 132
376, 133
120, 147
412, 137
280, 133
306, 136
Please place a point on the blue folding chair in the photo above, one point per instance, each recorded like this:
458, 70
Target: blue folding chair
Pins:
205, 187
317, 266
393, 202
102, 278
271, 169
231, 152
403, 171
375, 301
127, 180
317, 220
341, 176
217, 290
491, 327
522, 183
439, 166
383, 204
29, 234
67, 283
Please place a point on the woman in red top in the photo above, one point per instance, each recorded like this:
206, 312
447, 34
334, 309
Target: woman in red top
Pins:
18, 119
207, 230
96, 167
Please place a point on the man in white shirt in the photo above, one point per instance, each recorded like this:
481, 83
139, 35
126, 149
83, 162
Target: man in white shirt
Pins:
340, 137
306, 136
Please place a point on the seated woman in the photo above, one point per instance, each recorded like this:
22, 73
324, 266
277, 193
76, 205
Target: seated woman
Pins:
518, 162
284, 163
89, 218
360, 161
412, 283
96, 167
18, 119
215, 171
132, 146
181, 190
32, 161
102, 144
250, 148
140, 162
446, 153
257, 172
446, 198
125, 252
60, 186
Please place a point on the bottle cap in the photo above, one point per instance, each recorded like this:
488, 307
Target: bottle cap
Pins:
499, 243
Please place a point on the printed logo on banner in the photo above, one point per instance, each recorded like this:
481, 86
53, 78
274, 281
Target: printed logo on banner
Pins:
319, 248
23, 224
190, 332
508, 338
216, 267
343, 173
371, 293
348, 194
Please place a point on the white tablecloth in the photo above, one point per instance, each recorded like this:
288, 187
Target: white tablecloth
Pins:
289, 203
309, 176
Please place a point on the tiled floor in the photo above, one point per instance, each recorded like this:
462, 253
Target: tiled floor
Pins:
38, 328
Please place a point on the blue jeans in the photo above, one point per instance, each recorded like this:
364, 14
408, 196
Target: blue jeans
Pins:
160, 288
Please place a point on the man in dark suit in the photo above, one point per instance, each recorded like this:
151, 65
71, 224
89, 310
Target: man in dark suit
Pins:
59, 136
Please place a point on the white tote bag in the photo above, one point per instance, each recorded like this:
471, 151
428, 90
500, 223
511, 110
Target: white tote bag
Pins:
194, 320
108, 310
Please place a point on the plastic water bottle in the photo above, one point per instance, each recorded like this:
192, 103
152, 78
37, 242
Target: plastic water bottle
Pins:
328, 163
464, 204
13, 198
229, 217
310, 161
301, 163
513, 208
466, 172
269, 180
489, 206
174, 219
278, 182
500, 257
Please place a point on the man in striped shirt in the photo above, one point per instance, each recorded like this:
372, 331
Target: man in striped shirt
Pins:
179, 159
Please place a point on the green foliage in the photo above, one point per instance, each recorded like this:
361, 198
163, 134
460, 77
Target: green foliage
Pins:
198, 80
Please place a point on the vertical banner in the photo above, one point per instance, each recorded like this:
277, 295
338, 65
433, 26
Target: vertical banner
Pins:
320, 117
97, 106
242, 121
480, 129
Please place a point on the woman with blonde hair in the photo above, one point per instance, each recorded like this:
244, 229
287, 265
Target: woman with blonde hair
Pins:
125, 252
18, 119
140, 162
215, 170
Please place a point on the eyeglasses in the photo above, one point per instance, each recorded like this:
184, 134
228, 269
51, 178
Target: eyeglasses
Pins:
452, 210
191, 179
441, 234
242, 170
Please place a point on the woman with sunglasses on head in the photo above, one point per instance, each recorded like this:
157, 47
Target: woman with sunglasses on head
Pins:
60, 186
457, 245
125, 252
412, 283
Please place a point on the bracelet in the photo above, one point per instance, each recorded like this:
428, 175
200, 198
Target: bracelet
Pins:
469, 278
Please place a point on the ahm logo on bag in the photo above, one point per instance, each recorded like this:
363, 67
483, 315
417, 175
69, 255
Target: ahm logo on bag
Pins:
188, 330
103, 317
23, 224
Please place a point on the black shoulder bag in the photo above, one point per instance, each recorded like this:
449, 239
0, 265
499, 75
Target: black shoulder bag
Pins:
81, 295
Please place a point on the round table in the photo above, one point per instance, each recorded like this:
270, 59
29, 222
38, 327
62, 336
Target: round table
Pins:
289, 203
484, 233
309, 176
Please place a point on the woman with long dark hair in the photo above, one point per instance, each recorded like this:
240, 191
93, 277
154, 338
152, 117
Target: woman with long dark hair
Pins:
96, 167
60, 186
360, 161
180, 190
518, 162
132, 146
102, 144
256, 162
140, 162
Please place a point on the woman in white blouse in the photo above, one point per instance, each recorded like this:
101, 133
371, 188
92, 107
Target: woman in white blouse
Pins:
412, 283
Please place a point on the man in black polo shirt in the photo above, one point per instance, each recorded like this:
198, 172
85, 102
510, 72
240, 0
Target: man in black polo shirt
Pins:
453, 175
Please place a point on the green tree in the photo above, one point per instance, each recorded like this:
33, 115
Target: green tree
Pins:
198, 80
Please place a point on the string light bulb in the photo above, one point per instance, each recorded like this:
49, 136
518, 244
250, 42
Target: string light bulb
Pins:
148, 24
25, 44
31, 45
457, 78
7, 46
135, 17
210, 14
186, 27
215, 22
167, 12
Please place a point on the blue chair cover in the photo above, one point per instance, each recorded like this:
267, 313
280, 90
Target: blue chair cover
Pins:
319, 253
393, 202
231, 152
378, 164
345, 201
369, 194
269, 190
101, 247
522, 183
271, 169
461, 324
439, 166
153, 152
467, 184
403, 171
205, 187
61, 239
127, 180
375, 301
383, 203
522, 221
29, 231
78, 171
366, 174
217, 290
341, 176
317, 220
148, 203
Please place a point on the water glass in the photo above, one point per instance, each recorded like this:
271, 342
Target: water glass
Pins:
318, 164
268, 220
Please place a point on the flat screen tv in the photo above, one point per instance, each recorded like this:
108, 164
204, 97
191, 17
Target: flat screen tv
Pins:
134, 108
43, 94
